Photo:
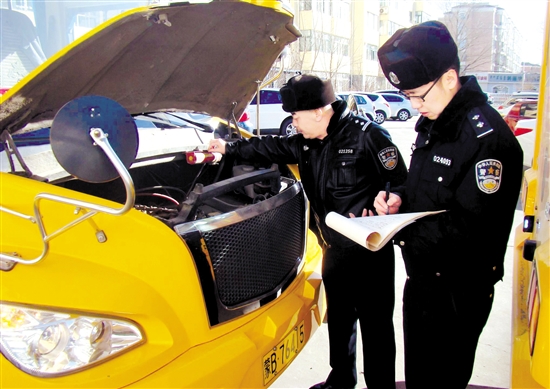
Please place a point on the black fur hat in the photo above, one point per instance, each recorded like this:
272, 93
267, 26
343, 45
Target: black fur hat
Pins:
415, 56
305, 92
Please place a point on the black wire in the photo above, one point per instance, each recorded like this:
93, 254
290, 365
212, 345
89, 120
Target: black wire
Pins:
165, 187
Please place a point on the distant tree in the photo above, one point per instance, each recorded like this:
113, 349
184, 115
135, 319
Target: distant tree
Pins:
471, 37
319, 50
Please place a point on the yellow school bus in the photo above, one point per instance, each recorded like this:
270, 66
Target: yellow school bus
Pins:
129, 255
531, 289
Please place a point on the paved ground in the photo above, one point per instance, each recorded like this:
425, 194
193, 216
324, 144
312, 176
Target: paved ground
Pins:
492, 365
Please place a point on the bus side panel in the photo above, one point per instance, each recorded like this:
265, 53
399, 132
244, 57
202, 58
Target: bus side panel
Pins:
531, 290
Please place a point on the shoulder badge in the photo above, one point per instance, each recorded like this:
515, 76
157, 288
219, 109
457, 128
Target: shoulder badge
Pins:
488, 175
360, 122
388, 157
479, 123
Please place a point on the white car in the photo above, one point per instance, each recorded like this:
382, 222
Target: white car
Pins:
365, 107
505, 107
273, 120
382, 108
400, 107
525, 134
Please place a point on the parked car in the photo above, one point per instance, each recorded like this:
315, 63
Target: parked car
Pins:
273, 120
159, 120
400, 107
246, 123
504, 110
522, 109
394, 91
382, 108
32, 138
359, 104
505, 107
133, 257
525, 134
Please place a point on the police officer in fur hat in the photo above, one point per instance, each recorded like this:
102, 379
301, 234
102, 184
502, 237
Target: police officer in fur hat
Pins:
467, 162
344, 160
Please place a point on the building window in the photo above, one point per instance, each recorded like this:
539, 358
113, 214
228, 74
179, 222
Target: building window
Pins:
305, 41
370, 53
323, 43
327, 44
371, 21
324, 6
342, 9
22, 5
305, 5
393, 27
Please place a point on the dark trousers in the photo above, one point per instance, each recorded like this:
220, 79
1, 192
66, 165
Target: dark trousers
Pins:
442, 325
360, 286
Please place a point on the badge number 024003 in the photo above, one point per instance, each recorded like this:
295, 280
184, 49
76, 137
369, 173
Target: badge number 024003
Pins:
281, 355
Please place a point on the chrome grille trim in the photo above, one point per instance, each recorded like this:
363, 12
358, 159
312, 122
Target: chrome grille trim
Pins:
247, 257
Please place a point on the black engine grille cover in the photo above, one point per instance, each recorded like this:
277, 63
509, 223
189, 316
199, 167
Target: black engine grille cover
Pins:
247, 256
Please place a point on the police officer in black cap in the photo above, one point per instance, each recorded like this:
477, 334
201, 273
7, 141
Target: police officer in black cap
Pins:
466, 161
344, 160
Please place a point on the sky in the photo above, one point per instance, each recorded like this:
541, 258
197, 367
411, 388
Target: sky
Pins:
528, 16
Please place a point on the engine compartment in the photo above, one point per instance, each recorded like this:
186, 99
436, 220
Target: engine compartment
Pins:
153, 162
178, 192
239, 221
162, 171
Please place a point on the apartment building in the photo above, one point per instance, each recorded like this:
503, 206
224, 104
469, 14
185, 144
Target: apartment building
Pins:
365, 21
325, 45
341, 39
487, 38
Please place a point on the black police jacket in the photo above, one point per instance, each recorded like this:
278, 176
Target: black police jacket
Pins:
342, 173
469, 163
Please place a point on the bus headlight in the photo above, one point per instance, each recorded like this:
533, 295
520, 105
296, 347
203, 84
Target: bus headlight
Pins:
47, 343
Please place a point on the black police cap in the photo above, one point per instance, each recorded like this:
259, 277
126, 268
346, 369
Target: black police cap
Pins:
415, 56
305, 92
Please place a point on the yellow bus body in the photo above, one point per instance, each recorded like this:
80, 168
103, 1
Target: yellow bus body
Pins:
531, 290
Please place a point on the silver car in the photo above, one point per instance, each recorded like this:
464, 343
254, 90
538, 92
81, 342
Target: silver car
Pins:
364, 106
401, 108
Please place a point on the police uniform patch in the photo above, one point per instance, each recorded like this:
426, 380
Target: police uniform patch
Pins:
488, 175
388, 157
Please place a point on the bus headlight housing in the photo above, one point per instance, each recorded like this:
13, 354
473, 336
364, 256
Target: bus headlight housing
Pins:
47, 343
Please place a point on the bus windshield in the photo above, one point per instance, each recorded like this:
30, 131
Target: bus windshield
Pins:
33, 31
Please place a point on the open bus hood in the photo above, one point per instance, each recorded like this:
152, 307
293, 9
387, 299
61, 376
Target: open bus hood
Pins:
204, 57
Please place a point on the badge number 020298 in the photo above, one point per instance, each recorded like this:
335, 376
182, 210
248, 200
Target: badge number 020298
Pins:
281, 355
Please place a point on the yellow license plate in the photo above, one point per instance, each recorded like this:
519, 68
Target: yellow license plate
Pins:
281, 355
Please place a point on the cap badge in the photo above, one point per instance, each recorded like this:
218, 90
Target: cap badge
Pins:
393, 78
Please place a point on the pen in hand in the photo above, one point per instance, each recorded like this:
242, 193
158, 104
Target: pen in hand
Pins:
387, 197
